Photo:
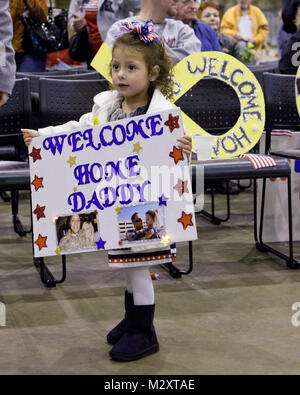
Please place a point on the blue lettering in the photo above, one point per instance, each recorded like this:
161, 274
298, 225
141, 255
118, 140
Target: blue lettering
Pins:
73, 139
88, 135
132, 161
56, 144
153, 124
125, 188
123, 134
74, 199
103, 141
106, 191
100, 172
115, 169
94, 201
81, 174
141, 188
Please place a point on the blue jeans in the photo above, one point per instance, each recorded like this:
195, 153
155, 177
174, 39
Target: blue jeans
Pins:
30, 62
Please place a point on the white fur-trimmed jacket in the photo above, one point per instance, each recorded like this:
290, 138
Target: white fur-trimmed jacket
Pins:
104, 103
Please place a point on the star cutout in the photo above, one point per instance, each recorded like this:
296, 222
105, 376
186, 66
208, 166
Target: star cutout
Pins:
162, 200
176, 154
39, 211
137, 147
172, 122
101, 244
186, 220
41, 241
37, 182
165, 240
72, 160
118, 209
35, 154
181, 187
57, 251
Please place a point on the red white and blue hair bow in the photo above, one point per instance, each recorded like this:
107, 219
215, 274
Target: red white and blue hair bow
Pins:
145, 32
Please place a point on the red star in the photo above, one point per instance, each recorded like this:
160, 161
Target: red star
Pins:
186, 220
181, 187
172, 122
176, 154
41, 241
39, 211
35, 154
37, 182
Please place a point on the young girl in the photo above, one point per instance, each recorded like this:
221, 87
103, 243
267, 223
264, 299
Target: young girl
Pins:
151, 220
141, 80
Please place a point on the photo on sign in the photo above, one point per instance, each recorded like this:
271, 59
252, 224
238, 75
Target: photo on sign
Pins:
77, 231
142, 223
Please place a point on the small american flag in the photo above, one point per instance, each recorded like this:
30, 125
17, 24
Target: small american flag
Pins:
259, 160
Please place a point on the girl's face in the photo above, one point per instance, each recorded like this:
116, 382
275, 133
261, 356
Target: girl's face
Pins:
87, 230
149, 220
75, 223
130, 74
211, 16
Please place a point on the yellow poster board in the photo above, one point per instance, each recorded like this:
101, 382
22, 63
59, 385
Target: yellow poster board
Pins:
249, 127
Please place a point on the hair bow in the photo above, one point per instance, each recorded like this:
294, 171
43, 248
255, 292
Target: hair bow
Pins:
145, 32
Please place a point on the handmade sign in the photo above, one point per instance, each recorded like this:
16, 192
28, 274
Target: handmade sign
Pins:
250, 124
90, 186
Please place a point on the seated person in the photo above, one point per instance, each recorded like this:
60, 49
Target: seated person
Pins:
209, 12
138, 232
187, 13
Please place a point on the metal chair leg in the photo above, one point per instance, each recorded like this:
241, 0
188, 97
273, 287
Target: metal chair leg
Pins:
46, 276
261, 246
174, 271
18, 226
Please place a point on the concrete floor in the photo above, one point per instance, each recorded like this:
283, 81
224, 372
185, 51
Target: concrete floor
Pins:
231, 315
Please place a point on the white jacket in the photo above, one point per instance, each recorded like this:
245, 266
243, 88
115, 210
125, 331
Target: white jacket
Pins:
104, 103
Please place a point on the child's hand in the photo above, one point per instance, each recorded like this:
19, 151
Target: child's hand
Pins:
28, 135
186, 144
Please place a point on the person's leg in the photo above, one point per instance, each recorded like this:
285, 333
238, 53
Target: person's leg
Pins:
118, 331
139, 339
141, 285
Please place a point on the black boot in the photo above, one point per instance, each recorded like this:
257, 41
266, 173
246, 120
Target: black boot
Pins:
116, 333
139, 339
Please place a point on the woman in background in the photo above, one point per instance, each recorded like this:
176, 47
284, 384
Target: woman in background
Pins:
26, 59
209, 12
82, 14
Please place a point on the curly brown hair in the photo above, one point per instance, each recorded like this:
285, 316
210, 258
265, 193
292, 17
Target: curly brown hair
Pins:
154, 54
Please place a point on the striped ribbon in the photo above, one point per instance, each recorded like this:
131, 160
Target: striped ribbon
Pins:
145, 32
259, 161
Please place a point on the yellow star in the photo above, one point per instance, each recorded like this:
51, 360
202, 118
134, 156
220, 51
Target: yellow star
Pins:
75, 189
118, 209
96, 120
137, 147
72, 160
165, 240
57, 251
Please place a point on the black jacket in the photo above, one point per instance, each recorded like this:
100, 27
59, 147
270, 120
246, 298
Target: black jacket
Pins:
289, 8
